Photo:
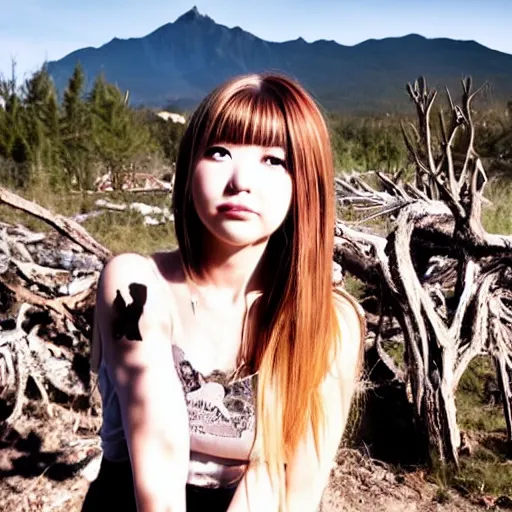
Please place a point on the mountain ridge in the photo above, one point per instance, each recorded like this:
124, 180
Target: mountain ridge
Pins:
181, 61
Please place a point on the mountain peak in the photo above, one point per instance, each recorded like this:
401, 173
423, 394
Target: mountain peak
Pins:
192, 15
182, 61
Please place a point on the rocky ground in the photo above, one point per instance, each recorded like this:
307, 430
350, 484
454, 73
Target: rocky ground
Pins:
47, 464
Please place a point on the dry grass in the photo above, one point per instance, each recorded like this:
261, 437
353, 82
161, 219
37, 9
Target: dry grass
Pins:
357, 483
497, 217
118, 231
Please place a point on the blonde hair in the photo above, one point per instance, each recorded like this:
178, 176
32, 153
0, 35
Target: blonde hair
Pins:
298, 328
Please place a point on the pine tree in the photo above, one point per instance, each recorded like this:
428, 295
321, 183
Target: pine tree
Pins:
76, 133
118, 136
13, 145
41, 126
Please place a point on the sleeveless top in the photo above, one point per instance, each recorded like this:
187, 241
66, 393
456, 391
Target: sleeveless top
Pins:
219, 405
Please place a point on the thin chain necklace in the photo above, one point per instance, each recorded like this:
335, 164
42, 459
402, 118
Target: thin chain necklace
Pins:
194, 295
193, 302
242, 368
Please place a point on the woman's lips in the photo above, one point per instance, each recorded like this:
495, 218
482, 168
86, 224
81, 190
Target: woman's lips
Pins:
235, 211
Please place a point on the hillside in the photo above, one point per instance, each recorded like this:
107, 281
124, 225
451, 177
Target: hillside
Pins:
180, 62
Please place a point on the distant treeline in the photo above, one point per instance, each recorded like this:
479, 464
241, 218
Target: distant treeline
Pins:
67, 142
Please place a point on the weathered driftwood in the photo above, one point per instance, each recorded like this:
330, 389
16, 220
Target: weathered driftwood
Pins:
153, 215
443, 277
50, 279
132, 182
63, 225
24, 355
43, 277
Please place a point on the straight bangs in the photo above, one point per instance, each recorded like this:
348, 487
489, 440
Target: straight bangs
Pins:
248, 117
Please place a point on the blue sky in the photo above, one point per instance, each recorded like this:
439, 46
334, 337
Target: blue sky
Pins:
34, 30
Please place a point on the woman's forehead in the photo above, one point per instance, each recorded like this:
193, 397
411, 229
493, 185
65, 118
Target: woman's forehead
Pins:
259, 123
236, 145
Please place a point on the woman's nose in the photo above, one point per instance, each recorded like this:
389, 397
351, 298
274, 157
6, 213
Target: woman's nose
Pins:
242, 177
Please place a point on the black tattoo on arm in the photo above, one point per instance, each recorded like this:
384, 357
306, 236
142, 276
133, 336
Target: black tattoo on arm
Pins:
126, 317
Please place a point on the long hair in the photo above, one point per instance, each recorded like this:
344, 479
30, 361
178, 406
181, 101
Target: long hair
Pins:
298, 328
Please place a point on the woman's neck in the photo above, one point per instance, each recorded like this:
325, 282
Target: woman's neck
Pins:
229, 273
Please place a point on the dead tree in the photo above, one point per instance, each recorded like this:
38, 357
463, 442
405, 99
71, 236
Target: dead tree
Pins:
464, 308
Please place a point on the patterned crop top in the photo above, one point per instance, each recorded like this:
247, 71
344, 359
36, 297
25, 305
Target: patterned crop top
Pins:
222, 421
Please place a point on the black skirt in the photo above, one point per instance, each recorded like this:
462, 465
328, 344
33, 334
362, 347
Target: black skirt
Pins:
113, 490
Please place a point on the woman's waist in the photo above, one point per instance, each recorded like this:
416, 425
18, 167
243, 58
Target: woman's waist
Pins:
204, 470
215, 472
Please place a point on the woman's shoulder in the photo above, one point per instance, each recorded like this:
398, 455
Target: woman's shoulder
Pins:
122, 262
349, 311
132, 297
132, 279
352, 326
130, 267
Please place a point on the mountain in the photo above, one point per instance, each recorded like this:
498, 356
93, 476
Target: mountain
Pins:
180, 62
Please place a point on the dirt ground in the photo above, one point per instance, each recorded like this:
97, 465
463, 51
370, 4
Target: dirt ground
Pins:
47, 464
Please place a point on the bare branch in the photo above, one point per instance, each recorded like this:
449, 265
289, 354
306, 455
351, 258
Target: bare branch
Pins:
470, 286
63, 225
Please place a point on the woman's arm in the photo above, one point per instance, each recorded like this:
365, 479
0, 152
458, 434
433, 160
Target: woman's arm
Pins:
307, 474
254, 492
134, 326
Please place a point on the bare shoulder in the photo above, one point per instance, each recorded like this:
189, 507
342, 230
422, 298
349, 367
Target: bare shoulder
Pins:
128, 274
129, 295
128, 266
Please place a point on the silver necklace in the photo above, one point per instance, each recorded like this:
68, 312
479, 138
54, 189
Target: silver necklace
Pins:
193, 302
194, 295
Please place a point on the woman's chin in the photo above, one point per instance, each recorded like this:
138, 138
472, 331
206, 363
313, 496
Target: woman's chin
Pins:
239, 236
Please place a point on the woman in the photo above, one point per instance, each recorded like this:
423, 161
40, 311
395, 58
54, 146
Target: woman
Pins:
227, 367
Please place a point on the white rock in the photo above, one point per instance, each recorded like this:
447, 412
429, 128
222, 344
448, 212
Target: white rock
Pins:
337, 274
91, 471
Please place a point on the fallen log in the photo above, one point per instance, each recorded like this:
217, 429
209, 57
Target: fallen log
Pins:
63, 225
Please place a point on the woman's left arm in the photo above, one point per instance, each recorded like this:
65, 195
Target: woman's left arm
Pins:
307, 474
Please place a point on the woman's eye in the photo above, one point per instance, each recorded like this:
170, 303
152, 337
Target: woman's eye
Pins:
274, 161
216, 153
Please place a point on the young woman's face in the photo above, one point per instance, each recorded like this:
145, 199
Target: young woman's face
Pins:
242, 193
